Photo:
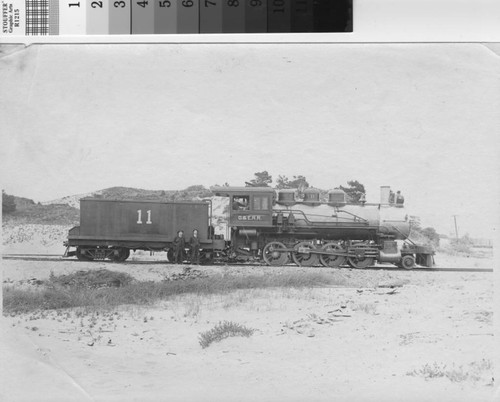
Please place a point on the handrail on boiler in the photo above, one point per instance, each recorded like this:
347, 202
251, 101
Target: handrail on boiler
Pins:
298, 211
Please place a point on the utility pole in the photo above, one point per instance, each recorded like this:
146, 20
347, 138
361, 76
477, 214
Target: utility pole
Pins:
456, 228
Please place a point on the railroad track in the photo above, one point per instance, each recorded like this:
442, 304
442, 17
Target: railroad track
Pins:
59, 258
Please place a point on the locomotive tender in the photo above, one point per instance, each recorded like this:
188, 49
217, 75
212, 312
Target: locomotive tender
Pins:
263, 226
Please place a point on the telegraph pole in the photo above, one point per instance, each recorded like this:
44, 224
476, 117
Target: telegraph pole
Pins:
456, 227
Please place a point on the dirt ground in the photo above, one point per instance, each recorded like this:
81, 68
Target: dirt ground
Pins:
428, 340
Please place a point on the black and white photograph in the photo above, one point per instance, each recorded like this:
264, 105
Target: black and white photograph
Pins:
249, 221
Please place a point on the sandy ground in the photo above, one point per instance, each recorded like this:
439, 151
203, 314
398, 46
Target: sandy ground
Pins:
33, 238
347, 344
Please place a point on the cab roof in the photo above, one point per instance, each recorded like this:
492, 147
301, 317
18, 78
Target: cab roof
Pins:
228, 191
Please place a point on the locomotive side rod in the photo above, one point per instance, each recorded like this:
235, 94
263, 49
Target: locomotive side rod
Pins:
305, 250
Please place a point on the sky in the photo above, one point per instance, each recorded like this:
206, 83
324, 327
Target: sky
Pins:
422, 118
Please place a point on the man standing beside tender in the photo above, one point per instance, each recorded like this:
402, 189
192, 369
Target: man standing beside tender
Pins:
194, 243
179, 246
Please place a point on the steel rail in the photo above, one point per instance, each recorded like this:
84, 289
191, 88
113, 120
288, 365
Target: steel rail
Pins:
40, 257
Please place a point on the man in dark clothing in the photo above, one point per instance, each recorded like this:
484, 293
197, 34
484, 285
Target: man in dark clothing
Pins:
179, 245
399, 198
236, 205
194, 243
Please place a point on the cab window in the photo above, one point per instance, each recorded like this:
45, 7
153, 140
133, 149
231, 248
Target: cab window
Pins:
260, 203
241, 203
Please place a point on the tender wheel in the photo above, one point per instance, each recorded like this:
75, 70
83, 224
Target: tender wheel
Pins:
272, 255
332, 260
408, 262
81, 256
304, 259
360, 262
126, 254
170, 255
206, 257
123, 254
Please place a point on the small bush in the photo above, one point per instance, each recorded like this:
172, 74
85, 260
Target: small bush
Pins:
428, 371
474, 372
427, 237
222, 331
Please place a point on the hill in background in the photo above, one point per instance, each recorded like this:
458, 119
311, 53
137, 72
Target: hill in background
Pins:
29, 212
23, 203
55, 214
195, 192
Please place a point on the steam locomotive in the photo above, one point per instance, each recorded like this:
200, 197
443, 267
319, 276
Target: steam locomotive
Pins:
263, 226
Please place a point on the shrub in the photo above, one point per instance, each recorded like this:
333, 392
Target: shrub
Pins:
462, 245
474, 372
427, 237
222, 331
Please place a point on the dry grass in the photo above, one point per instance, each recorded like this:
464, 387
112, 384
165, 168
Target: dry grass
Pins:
94, 279
368, 308
474, 371
104, 289
222, 331
192, 308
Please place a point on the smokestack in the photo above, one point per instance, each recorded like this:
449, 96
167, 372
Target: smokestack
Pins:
384, 194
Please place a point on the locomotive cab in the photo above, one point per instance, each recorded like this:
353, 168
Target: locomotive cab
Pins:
248, 206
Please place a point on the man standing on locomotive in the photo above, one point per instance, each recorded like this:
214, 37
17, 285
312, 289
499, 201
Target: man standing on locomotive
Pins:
179, 245
194, 243
392, 197
399, 198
